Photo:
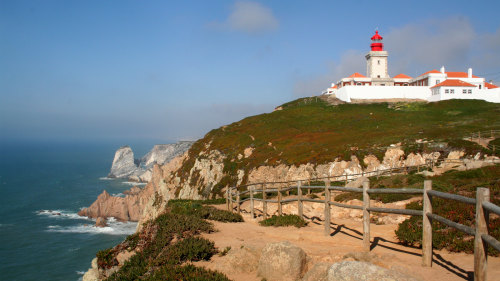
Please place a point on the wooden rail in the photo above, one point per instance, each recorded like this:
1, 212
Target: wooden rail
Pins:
483, 207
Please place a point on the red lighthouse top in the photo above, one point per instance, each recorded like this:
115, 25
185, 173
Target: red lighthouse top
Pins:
377, 44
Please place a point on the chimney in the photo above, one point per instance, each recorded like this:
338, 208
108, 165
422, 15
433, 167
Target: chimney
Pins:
469, 72
442, 69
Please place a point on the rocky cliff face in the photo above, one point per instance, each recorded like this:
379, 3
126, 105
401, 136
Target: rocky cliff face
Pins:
163, 153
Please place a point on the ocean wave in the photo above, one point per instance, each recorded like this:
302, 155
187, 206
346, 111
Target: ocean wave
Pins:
134, 183
106, 179
114, 228
80, 272
60, 214
118, 194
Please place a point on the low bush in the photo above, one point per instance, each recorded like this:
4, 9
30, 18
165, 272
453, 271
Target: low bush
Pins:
205, 212
186, 272
189, 249
106, 258
284, 220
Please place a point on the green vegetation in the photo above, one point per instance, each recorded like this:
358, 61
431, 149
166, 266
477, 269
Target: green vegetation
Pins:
193, 208
284, 220
457, 182
166, 243
312, 131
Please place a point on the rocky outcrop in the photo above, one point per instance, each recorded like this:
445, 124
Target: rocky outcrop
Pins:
363, 271
128, 208
101, 222
282, 261
125, 166
163, 153
123, 163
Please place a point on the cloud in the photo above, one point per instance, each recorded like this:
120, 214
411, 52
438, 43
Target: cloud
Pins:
249, 17
418, 47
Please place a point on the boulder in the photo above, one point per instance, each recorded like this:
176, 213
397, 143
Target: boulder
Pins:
239, 260
101, 222
319, 272
282, 261
363, 271
126, 208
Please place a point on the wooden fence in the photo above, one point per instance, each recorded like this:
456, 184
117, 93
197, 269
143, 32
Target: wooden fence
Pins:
483, 208
491, 134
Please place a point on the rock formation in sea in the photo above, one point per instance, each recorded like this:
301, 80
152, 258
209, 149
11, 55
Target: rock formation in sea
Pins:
123, 163
140, 170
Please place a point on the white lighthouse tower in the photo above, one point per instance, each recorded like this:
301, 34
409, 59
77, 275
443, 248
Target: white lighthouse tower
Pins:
376, 63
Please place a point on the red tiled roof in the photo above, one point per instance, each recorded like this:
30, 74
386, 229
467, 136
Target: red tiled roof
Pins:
453, 83
490, 86
401, 75
357, 75
455, 74
430, 71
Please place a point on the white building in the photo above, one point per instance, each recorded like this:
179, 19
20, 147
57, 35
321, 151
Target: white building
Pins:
431, 86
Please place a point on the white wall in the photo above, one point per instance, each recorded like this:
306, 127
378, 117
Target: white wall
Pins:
490, 95
382, 92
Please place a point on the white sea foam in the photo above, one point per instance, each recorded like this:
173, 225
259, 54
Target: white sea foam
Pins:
134, 183
80, 272
106, 179
60, 214
114, 228
118, 194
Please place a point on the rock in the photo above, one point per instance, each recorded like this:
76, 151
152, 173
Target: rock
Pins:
101, 222
240, 260
163, 153
123, 163
319, 272
282, 261
126, 208
357, 182
363, 271
93, 273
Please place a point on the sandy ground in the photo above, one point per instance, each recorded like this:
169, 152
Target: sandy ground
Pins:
345, 237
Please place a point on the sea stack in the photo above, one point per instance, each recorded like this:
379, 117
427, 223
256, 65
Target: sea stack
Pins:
123, 163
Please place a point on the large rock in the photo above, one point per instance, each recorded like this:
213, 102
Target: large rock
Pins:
128, 208
319, 272
123, 163
282, 261
239, 260
363, 271
163, 153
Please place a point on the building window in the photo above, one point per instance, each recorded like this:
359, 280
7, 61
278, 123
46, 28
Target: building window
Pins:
452, 91
470, 91
378, 76
438, 81
464, 91
479, 87
359, 84
446, 91
378, 62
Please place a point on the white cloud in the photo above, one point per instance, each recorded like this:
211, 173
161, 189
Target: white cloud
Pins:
249, 17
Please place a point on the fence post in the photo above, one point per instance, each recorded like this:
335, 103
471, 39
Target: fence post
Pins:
280, 210
238, 207
366, 216
346, 178
478, 135
299, 200
227, 198
309, 184
231, 200
481, 248
327, 207
288, 191
264, 203
252, 207
427, 226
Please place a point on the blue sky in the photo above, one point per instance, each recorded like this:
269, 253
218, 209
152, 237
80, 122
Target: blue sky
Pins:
172, 70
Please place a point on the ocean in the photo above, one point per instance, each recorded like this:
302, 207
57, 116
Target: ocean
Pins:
43, 185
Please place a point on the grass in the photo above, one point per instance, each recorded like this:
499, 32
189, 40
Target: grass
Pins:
194, 208
284, 220
313, 131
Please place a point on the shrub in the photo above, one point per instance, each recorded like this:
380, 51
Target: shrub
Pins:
212, 213
187, 272
189, 249
106, 258
284, 220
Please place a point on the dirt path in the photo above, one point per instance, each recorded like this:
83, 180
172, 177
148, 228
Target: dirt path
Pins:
346, 236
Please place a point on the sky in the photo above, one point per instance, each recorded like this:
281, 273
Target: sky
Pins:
174, 70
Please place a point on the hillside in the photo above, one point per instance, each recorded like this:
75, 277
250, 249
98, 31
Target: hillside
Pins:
310, 130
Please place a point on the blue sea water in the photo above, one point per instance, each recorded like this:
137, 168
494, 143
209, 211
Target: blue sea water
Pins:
43, 185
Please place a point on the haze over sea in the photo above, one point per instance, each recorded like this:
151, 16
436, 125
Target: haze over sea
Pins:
43, 186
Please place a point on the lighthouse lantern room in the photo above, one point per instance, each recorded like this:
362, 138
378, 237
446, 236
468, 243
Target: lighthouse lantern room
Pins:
376, 63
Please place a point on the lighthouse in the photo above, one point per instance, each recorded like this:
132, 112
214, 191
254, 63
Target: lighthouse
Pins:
376, 62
